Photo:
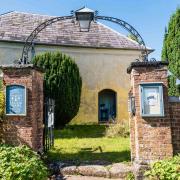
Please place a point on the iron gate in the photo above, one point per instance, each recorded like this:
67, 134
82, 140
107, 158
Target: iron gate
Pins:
48, 123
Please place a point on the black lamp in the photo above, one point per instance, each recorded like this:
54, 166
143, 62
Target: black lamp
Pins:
84, 16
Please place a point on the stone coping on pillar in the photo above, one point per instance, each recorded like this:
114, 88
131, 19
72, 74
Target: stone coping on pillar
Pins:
174, 99
20, 66
146, 64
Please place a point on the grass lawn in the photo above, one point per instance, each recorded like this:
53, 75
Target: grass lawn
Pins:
87, 143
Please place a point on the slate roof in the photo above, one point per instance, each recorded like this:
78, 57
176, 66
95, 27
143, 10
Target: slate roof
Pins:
16, 26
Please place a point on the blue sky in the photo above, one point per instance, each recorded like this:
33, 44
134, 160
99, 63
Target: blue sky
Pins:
149, 17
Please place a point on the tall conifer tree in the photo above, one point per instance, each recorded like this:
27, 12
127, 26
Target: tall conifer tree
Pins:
171, 52
62, 82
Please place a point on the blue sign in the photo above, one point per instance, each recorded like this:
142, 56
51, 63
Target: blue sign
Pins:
15, 100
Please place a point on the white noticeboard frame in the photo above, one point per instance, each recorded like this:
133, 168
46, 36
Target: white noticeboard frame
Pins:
16, 101
151, 99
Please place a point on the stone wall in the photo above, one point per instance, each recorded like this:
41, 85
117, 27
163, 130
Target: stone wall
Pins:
26, 129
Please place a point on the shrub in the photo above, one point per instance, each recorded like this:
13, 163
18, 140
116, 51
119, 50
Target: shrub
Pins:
120, 129
130, 176
62, 82
1, 84
165, 169
2, 105
20, 163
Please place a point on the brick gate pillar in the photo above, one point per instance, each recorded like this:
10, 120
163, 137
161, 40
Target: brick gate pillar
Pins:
24, 128
150, 135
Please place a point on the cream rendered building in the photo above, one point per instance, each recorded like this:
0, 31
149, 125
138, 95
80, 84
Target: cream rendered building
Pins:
102, 55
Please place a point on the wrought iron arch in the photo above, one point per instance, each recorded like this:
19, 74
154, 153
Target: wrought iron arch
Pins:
130, 29
29, 41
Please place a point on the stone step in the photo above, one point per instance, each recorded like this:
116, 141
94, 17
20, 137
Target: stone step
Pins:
79, 177
117, 171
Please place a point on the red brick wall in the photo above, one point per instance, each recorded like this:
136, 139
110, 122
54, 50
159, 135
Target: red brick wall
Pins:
132, 138
38, 104
25, 129
174, 109
151, 136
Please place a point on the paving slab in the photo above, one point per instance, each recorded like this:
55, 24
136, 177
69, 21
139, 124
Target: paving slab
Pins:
69, 170
93, 170
120, 170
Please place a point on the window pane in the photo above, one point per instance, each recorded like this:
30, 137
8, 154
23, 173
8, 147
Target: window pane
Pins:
151, 100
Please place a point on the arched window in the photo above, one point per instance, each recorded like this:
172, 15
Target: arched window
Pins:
107, 105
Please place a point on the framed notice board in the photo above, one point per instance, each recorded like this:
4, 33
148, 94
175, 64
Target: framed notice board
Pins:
152, 103
16, 98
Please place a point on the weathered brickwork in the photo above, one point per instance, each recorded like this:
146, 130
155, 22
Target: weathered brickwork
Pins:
151, 138
174, 109
25, 129
154, 138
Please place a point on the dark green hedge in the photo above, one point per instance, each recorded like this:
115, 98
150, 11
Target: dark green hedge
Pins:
63, 83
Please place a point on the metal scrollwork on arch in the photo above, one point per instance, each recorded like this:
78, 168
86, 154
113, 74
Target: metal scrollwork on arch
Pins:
29, 41
130, 29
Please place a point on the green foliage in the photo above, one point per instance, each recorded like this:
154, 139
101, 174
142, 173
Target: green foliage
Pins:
120, 129
165, 169
171, 50
130, 176
174, 90
2, 104
62, 82
20, 163
1, 84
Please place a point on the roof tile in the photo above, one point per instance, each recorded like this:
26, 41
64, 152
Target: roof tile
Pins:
17, 26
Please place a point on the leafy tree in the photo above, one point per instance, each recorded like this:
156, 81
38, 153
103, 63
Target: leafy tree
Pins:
171, 51
62, 82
